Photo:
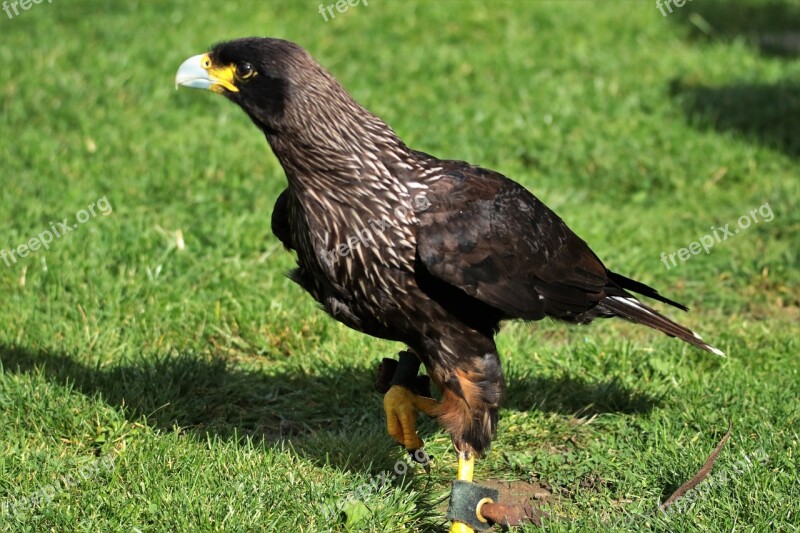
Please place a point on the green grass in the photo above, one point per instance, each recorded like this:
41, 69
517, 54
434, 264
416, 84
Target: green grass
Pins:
165, 335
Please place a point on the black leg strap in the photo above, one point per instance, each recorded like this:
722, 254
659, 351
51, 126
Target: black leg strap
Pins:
465, 501
403, 373
407, 370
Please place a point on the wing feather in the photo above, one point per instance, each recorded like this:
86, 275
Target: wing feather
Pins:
490, 237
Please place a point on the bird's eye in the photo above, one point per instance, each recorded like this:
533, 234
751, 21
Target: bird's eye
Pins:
244, 71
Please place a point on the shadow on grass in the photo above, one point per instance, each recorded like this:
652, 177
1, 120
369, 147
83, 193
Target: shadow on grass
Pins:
573, 396
331, 417
769, 114
204, 395
772, 26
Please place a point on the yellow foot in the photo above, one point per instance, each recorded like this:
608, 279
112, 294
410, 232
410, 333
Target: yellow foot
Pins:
460, 527
400, 405
466, 468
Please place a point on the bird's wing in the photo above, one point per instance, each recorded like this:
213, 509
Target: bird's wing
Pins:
490, 237
280, 220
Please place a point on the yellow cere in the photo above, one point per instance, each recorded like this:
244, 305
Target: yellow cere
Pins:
223, 77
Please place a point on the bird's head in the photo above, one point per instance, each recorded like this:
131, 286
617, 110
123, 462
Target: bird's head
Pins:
258, 74
304, 111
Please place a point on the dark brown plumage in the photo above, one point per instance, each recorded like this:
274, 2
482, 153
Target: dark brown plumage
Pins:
438, 275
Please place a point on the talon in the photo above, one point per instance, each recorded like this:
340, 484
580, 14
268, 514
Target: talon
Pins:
421, 457
400, 404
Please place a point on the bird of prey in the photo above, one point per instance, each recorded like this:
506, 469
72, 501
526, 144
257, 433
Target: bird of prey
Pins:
459, 249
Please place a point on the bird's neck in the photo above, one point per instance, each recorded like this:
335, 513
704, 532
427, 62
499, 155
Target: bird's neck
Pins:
340, 152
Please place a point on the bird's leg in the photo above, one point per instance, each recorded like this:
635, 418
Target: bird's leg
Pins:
401, 403
466, 469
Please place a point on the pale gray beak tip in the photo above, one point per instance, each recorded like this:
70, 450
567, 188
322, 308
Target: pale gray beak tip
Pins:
192, 74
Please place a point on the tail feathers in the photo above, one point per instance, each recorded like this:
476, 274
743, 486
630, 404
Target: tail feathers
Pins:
640, 288
632, 309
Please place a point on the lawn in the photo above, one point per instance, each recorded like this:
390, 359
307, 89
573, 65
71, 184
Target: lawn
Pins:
158, 372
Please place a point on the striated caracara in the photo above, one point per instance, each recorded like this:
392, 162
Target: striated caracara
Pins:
439, 275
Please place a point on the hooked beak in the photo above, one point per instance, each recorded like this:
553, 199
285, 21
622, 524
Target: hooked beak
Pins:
199, 72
